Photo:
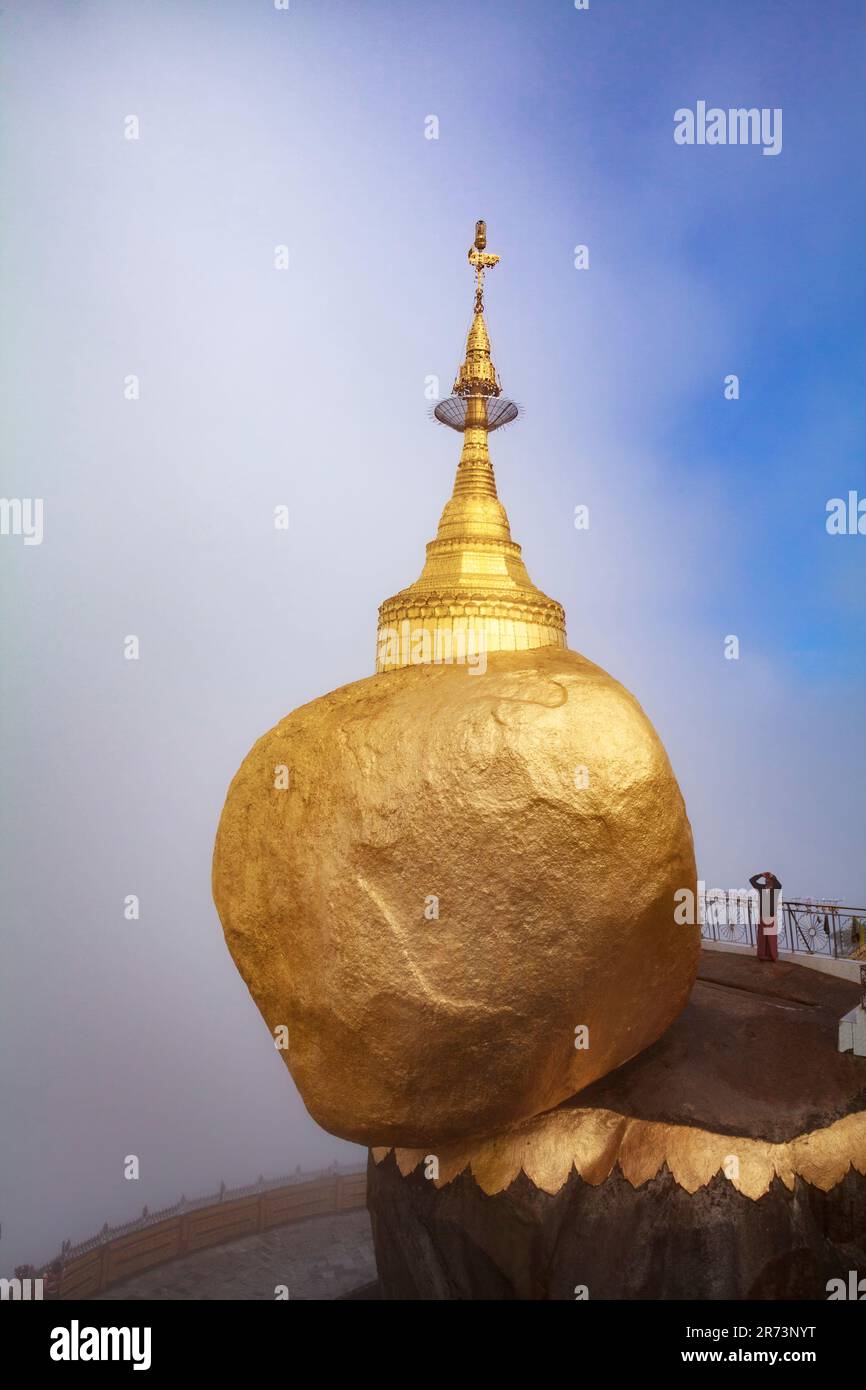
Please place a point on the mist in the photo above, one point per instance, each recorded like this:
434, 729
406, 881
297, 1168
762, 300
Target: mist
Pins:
154, 258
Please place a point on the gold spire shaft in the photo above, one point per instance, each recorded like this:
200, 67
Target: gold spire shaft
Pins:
474, 594
475, 471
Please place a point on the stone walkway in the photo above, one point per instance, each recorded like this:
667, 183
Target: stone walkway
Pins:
320, 1258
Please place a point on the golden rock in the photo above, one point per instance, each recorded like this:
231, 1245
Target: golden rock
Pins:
452, 883
463, 871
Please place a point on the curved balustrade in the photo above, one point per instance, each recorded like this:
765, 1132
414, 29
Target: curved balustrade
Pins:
154, 1238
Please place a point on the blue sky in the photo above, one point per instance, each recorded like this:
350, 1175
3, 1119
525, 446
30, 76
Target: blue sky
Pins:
306, 387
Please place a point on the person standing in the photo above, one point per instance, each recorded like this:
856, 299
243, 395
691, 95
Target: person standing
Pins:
768, 887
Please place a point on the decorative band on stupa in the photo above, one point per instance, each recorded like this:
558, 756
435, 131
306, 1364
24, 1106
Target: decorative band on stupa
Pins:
474, 591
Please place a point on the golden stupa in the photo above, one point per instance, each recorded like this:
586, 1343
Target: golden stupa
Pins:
474, 588
450, 886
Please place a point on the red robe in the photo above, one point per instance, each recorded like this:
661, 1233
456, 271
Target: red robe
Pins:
768, 940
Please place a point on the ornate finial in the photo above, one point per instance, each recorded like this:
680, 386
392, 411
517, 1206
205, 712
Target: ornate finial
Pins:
477, 376
482, 260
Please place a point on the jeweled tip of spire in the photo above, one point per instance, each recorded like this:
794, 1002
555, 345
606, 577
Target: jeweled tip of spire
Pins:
481, 259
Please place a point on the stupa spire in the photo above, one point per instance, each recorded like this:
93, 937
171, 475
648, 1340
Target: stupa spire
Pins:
474, 593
